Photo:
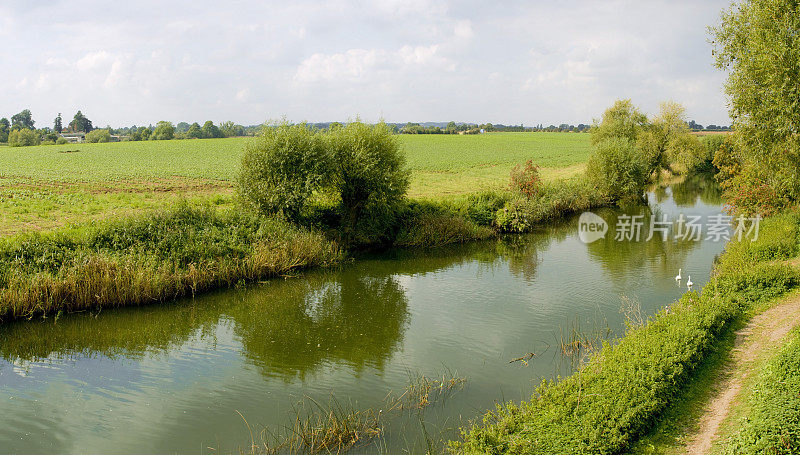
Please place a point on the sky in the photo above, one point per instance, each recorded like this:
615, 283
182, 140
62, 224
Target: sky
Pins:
512, 62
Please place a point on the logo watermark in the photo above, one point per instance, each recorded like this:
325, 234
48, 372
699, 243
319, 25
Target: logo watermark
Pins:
633, 228
591, 227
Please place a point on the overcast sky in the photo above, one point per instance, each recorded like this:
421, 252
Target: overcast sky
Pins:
532, 62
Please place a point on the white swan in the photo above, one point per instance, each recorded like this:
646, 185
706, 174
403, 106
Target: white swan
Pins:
678, 276
689, 283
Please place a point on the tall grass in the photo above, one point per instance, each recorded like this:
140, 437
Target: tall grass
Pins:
153, 258
622, 389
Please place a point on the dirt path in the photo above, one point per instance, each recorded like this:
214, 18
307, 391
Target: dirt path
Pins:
764, 332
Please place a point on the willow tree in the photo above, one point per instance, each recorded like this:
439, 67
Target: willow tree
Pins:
758, 43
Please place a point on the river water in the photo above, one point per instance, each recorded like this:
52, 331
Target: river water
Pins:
184, 377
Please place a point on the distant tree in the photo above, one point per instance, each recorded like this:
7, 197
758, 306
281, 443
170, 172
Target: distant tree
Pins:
23, 120
23, 138
194, 132
164, 131
210, 130
98, 136
57, 125
452, 127
182, 127
230, 129
79, 123
5, 128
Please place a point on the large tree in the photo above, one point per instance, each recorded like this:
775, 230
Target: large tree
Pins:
80, 123
758, 43
23, 120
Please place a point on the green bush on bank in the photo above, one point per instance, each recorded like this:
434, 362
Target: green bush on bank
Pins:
149, 259
621, 390
773, 419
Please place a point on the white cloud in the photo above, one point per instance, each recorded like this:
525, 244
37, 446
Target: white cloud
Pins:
416, 60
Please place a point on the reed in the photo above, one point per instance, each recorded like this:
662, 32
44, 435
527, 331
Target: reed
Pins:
149, 259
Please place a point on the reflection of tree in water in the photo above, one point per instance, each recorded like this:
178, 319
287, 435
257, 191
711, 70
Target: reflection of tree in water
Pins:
702, 185
291, 327
622, 258
523, 252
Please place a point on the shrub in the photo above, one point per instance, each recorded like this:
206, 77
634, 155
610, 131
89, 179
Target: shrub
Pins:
617, 168
427, 224
23, 138
526, 181
282, 168
98, 136
366, 171
61, 141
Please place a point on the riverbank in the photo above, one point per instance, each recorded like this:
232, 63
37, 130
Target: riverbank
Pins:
622, 390
149, 259
179, 252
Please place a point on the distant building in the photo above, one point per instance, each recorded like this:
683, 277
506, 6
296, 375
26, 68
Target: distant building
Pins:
74, 138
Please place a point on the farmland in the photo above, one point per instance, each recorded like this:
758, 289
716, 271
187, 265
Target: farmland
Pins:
49, 186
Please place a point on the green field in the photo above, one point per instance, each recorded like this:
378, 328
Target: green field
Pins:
48, 186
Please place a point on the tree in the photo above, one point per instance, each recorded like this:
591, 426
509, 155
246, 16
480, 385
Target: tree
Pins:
282, 168
79, 123
5, 128
23, 138
758, 43
666, 139
230, 129
164, 131
622, 120
617, 168
194, 131
210, 130
57, 126
23, 120
182, 127
98, 136
367, 171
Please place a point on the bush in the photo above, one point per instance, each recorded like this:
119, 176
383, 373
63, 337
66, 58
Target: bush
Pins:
367, 171
426, 224
98, 136
526, 181
23, 138
618, 170
61, 141
282, 168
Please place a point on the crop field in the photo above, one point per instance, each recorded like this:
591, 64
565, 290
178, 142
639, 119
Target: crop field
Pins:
49, 186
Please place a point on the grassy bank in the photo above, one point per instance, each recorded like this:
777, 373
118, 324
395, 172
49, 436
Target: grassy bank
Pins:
149, 259
620, 392
773, 407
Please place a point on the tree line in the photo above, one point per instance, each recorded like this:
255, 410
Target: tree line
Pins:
21, 130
